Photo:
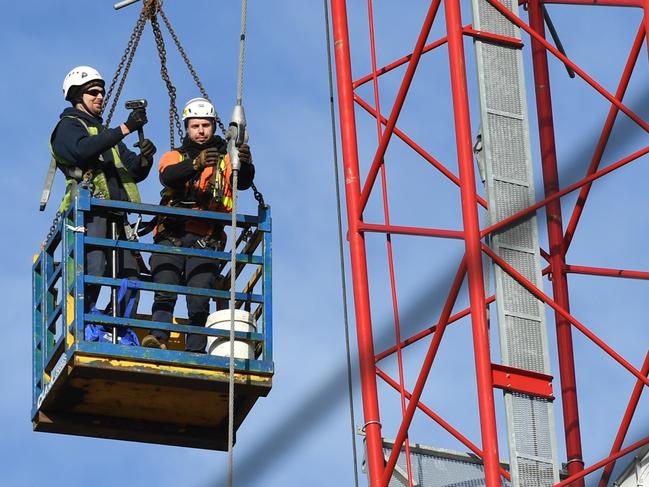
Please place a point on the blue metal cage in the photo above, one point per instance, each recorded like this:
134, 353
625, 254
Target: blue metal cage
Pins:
142, 394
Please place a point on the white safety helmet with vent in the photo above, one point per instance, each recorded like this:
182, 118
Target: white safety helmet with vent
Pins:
80, 76
199, 108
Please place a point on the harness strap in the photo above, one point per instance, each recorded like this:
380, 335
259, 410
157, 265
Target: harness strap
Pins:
47, 187
121, 294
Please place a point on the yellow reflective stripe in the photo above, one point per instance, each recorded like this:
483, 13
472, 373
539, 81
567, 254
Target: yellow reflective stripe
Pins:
127, 180
227, 203
99, 178
226, 199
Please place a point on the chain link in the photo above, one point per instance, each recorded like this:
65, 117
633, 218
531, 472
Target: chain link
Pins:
258, 196
171, 89
50, 234
125, 63
150, 11
190, 67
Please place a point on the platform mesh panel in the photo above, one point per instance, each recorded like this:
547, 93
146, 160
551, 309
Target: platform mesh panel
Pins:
509, 186
502, 98
432, 470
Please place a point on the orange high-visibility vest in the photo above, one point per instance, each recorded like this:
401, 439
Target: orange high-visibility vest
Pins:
212, 191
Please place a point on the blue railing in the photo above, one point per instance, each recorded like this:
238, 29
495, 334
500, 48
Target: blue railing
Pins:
59, 279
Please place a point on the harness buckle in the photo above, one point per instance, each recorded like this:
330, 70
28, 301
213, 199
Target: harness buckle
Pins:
209, 242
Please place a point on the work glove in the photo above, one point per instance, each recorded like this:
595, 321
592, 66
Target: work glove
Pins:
245, 157
147, 149
136, 119
206, 158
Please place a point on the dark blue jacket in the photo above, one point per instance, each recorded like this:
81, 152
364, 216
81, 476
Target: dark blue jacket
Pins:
72, 143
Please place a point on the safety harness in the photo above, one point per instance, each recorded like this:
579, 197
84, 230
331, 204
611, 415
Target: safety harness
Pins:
95, 176
217, 196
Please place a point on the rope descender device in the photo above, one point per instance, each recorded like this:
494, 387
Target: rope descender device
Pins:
236, 135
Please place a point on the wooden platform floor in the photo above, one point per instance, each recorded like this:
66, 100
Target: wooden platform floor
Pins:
146, 402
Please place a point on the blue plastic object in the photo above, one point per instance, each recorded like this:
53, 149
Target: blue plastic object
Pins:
100, 333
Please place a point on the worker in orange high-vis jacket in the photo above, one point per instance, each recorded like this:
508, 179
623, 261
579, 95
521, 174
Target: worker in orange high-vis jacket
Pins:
197, 175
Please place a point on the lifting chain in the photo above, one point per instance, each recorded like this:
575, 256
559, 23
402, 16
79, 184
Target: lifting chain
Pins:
50, 234
190, 67
258, 196
171, 89
125, 62
150, 11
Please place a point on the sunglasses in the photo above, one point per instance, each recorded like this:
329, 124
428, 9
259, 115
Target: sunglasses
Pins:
95, 92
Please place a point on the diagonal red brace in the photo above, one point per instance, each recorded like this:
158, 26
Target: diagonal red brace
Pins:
491, 37
527, 382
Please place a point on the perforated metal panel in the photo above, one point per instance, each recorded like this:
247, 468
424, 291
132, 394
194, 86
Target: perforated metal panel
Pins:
437, 467
509, 185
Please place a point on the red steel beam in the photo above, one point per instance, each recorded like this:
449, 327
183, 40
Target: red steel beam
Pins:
470, 219
565, 60
565, 352
645, 6
603, 3
399, 62
398, 104
601, 463
424, 371
414, 146
430, 330
468, 29
450, 301
576, 323
401, 230
491, 37
601, 271
626, 422
568, 189
357, 200
528, 382
604, 136
388, 236
440, 421
357, 243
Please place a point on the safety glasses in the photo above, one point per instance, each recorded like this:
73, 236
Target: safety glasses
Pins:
95, 92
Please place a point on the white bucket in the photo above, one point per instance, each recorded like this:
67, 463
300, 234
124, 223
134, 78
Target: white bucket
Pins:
243, 322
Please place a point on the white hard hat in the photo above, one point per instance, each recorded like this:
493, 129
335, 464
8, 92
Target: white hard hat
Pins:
80, 76
199, 108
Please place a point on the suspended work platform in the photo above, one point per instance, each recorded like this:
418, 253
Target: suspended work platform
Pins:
107, 390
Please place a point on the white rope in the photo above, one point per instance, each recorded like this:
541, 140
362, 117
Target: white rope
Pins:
233, 278
233, 258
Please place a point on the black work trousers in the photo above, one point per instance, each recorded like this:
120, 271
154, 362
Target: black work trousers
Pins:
182, 270
99, 261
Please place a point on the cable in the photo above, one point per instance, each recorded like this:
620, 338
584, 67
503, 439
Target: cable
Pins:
340, 243
233, 278
242, 45
233, 260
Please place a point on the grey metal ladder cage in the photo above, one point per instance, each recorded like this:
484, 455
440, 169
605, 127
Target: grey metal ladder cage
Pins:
510, 188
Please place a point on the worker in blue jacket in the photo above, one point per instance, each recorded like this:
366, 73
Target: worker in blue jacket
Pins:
85, 150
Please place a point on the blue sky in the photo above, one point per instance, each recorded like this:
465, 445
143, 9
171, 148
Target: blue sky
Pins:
299, 435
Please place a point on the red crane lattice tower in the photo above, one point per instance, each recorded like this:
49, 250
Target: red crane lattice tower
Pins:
359, 188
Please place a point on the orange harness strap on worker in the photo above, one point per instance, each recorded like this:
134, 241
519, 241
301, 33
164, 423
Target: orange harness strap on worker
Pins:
210, 190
